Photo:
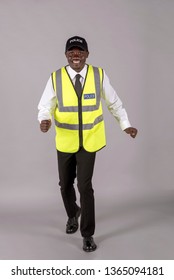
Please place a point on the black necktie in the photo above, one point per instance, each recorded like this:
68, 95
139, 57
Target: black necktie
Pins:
78, 85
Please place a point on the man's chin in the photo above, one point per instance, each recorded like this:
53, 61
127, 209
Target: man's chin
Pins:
76, 67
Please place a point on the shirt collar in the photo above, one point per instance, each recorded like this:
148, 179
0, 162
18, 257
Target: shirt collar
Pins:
73, 73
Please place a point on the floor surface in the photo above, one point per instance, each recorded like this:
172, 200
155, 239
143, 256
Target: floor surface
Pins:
134, 228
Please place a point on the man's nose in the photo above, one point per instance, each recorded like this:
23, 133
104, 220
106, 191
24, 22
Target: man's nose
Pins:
76, 53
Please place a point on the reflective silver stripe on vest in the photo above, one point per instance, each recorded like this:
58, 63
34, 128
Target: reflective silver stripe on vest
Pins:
62, 108
76, 126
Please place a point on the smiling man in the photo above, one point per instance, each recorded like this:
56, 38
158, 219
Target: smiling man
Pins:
73, 95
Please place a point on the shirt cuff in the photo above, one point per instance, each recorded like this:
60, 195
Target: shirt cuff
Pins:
43, 118
125, 124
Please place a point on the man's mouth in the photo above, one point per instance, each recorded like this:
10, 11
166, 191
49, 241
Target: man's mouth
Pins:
76, 61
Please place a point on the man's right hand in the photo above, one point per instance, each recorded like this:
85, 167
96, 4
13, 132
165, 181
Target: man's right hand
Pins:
45, 125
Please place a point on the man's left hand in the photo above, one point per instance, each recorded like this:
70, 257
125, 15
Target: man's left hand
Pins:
132, 131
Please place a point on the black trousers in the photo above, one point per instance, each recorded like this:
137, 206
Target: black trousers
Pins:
80, 165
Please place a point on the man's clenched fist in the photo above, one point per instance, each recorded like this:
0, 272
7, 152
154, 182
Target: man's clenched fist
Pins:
131, 131
45, 125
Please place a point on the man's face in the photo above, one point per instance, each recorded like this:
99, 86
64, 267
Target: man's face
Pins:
76, 58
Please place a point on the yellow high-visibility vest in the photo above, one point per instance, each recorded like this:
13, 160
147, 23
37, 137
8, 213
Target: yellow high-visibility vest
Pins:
79, 121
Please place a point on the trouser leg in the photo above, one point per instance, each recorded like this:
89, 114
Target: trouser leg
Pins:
85, 166
67, 175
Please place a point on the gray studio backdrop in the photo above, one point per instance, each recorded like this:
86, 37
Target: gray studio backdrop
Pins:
133, 181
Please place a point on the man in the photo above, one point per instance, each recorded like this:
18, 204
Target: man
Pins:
73, 95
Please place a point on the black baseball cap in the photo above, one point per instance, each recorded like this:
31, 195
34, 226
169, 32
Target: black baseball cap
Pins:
76, 41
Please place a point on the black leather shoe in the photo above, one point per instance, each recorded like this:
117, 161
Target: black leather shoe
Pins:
72, 223
89, 244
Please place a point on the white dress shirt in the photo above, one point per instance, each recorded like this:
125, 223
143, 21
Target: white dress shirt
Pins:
47, 103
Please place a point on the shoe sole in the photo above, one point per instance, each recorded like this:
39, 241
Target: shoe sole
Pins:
89, 251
